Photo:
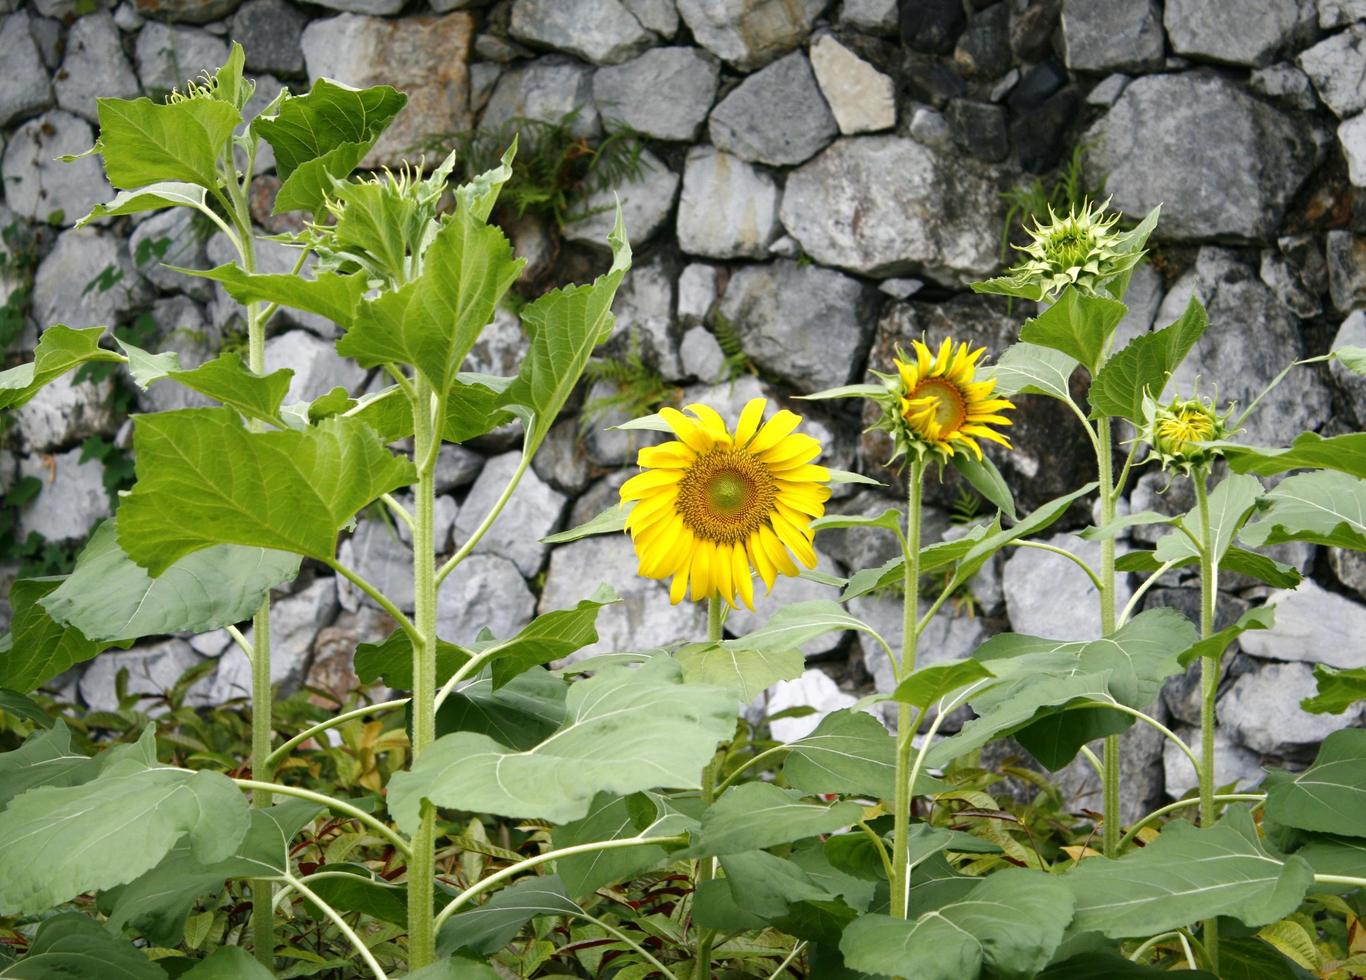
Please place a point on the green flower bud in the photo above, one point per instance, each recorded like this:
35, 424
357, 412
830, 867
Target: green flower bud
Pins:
1178, 431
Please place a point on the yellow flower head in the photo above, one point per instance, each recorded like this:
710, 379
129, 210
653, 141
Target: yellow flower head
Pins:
942, 408
714, 504
1176, 429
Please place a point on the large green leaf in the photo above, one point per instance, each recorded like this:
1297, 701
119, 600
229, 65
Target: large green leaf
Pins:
1142, 367
59, 350
1240, 561
928, 684
1229, 504
615, 818
45, 759
1214, 645
154, 197
391, 660
848, 752
753, 816
800, 901
1009, 924
1112, 966
433, 321
353, 888
1338, 690
336, 297
1027, 369
112, 829
1329, 796
72, 946
627, 729
1346, 453
227, 380
1327, 508
491, 926
519, 714
323, 135
793, 625
204, 479
610, 521
748, 673
564, 326
1329, 855
145, 142
1185, 875
1078, 324
37, 648
474, 406
228, 963
550, 636
109, 597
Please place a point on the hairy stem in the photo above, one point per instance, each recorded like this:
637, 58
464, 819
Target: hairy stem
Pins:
1209, 685
706, 867
906, 721
1110, 784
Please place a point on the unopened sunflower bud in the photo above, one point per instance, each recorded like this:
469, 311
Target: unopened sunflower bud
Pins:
1179, 431
1080, 248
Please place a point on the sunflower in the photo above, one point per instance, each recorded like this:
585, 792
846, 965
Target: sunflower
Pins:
712, 504
1176, 431
942, 408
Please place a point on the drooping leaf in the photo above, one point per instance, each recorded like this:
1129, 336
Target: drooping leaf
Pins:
108, 597
145, 142
227, 380
610, 521
1324, 507
1078, 324
747, 673
37, 648
227, 963
1256, 618
615, 818
779, 891
1329, 855
474, 406
1251, 958
753, 816
519, 714
76, 947
1142, 368
1330, 795
1237, 560
60, 349
328, 294
987, 480
1338, 690
487, 928
849, 752
1027, 369
1009, 923
391, 660
1120, 524
928, 684
111, 829
626, 730
1185, 875
204, 479
45, 759
550, 636
1229, 504
154, 197
20, 706
354, 889
1345, 453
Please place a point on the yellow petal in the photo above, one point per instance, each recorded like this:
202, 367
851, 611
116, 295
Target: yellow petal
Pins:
721, 570
711, 422
678, 588
702, 560
750, 417
790, 534
686, 429
644, 484
741, 576
777, 554
670, 455
758, 557
774, 430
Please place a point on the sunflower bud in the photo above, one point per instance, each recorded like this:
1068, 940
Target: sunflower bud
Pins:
1178, 431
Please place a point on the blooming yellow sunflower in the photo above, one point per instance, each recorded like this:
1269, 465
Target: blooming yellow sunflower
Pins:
941, 404
714, 504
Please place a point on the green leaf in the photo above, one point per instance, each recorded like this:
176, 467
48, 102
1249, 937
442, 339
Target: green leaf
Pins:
1352, 358
336, 297
323, 135
75, 947
1345, 453
59, 350
145, 367
849, 752
391, 660
1229, 504
779, 891
1185, 875
987, 480
1330, 795
753, 816
610, 521
1338, 690
145, 142
746, 673
1252, 958
204, 479
45, 759
1009, 923
1142, 367
1238, 560
112, 829
1112, 966
108, 597
474, 406
1133, 241
847, 391
1335, 855
356, 890
613, 818
1078, 324
228, 963
928, 684
37, 648
519, 714
227, 380
154, 197
564, 326
16, 704
888, 520
838, 475
550, 636
457, 967
1113, 529
1325, 508
491, 926
1027, 369
1256, 618
795, 624
627, 729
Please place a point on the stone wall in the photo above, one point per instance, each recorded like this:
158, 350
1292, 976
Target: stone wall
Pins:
823, 179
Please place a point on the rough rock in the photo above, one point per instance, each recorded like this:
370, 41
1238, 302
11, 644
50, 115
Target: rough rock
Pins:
40, 187
456, 466
1283, 279
660, 16
484, 591
1049, 596
423, 57
294, 622
1233, 764
749, 33
984, 49
152, 670
600, 31
728, 208
1143, 298
1346, 255
73, 287
25, 89
1108, 90
950, 636
185, 332
642, 620
665, 93
500, 347
171, 238
1262, 711
1032, 29
444, 509
1337, 67
1352, 137
66, 412
932, 26
561, 460
186, 11
533, 512
858, 548
1338, 13
1112, 35
271, 32
72, 501
646, 202
1352, 333
1350, 568
378, 8
979, 128
94, 66
814, 689
377, 552
871, 16
1313, 625
776, 116
808, 325
929, 127
861, 98
697, 290
1237, 33
317, 366
1240, 305
700, 355
743, 621
168, 56
547, 89
1243, 160
645, 322
1286, 84
884, 206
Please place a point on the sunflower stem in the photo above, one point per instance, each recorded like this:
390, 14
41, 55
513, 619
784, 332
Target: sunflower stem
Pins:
706, 867
1209, 683
906, 722
1110, 822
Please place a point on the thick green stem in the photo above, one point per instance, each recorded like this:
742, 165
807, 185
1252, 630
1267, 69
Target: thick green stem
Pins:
422, 867
906, 720
1110, 783
1209, 685
706, 868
